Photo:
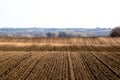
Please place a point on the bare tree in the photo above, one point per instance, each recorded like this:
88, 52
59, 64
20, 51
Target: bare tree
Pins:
51, 34
115, 32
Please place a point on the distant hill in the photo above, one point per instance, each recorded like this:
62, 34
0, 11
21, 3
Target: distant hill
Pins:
54, 32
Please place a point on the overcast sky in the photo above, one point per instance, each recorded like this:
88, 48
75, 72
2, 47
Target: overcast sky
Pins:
60, 13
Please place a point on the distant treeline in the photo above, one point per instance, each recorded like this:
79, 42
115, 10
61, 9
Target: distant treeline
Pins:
54, 32
63, 34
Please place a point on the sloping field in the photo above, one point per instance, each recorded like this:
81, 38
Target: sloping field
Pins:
60, 44
61, 59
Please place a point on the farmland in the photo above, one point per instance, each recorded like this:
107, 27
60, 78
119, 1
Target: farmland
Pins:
60, 58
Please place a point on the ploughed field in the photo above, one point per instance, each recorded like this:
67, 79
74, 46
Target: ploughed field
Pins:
60, 58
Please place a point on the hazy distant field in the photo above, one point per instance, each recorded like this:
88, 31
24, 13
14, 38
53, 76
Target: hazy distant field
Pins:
60, 58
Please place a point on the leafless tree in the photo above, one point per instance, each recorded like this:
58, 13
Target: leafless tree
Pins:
115, 32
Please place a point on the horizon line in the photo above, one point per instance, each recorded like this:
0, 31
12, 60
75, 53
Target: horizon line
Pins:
56, 27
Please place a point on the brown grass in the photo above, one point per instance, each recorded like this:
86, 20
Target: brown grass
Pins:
60, 44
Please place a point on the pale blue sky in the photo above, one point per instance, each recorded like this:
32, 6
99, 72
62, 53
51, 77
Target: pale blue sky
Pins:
59, 13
